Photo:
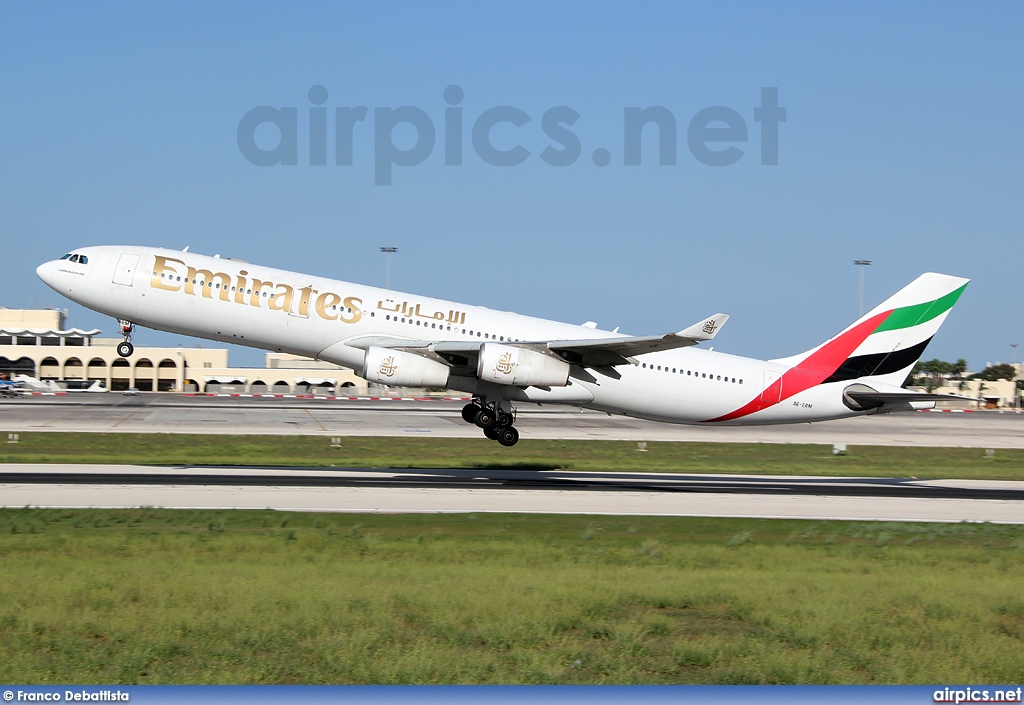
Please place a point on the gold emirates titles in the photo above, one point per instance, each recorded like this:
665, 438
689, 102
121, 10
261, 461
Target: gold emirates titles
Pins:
280, 297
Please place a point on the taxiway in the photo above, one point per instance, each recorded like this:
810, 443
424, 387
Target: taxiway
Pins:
514, 491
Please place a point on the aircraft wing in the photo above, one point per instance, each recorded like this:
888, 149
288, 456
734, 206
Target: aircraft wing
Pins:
595, 352
601, 352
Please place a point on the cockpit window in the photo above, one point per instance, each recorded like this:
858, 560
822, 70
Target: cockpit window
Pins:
82, 259
74, 258
67, 256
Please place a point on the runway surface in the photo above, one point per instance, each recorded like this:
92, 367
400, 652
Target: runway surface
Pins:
460, 490
164, 413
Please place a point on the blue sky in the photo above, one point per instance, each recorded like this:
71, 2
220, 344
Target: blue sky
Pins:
903, 144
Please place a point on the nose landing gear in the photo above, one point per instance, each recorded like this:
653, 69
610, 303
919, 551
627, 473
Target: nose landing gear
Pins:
126, 348
495, 421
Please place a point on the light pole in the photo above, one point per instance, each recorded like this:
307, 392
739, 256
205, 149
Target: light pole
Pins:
862, 263
388, 251
1016, 399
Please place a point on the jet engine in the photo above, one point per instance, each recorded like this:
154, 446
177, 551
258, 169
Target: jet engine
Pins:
402, 369
507, 364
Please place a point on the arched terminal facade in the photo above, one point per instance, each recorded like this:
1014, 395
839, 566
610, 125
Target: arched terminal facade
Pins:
36, 343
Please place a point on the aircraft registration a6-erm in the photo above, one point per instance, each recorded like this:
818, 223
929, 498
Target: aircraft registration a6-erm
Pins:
501, 358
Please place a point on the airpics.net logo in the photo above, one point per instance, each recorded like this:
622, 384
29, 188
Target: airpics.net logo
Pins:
716, 136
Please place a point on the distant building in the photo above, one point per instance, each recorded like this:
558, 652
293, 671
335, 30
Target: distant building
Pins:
994, 395
36, 343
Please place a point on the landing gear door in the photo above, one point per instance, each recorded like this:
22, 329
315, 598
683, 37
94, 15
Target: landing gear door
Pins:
125, 272
772, 390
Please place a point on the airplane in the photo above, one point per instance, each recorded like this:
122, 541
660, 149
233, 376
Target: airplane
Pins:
503, 358
11, 388
23, 386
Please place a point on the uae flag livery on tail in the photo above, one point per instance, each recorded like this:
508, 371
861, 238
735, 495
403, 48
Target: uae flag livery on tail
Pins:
879, 349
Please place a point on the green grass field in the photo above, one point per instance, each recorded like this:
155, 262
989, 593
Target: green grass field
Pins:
160, 596
788, 459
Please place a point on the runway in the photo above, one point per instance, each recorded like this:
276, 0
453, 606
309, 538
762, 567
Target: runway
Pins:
168, 413
493, 490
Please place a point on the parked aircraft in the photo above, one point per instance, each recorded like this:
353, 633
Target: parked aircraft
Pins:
501, 358
12, 388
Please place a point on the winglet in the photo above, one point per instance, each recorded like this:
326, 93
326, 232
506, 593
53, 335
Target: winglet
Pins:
706, 329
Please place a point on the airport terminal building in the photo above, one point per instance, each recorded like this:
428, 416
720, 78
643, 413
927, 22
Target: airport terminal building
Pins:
35, 342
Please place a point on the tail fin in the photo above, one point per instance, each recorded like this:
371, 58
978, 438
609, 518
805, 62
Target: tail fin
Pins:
885, 343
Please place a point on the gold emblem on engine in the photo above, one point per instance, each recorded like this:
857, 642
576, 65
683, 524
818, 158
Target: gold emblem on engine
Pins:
505, 364
709, 327
388, 367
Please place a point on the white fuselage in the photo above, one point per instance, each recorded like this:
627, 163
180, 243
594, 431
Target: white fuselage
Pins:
236, 302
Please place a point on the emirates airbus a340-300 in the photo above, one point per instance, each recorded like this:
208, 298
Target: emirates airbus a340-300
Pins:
502, 358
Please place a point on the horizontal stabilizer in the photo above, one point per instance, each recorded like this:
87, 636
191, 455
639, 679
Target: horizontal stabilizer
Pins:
870, 399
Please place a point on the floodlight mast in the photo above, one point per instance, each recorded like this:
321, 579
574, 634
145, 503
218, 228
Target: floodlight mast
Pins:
862, 263
388, 251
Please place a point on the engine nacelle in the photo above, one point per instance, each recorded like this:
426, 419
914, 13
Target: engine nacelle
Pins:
507, 364
402, 369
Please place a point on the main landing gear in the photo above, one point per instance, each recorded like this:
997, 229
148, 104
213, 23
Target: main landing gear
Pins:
126, 348
495, 421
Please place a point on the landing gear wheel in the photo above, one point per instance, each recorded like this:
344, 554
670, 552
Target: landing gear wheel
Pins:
469, 413
492, 434
508, 436
126, 348
485, 418
504, 419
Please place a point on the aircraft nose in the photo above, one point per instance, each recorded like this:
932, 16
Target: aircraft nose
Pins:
45, 272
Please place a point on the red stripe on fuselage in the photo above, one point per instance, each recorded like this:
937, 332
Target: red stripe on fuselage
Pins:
815, 369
